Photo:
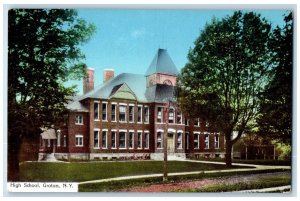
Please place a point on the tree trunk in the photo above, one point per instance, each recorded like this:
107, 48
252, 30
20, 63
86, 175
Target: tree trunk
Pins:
228, 159
13, 171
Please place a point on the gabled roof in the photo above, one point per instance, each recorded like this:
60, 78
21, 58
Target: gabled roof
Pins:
122, 91
135, 82
162, 63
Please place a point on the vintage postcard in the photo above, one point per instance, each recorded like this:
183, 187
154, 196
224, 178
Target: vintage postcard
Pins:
150, 100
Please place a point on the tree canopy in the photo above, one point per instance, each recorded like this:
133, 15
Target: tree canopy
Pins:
227, 70
275, 119
43, 53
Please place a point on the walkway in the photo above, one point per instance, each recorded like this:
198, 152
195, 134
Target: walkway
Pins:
252, 167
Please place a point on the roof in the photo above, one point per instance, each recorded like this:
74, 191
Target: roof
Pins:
160, 93
76, 105
162, 63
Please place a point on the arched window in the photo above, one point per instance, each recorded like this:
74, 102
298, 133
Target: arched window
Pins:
168, 82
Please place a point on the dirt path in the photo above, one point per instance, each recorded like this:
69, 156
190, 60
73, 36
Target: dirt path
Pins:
198, 184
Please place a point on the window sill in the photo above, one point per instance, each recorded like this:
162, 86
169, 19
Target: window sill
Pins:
122, 122
96, 119
104, 120
96, 148
78, 145
122, 148
78, 124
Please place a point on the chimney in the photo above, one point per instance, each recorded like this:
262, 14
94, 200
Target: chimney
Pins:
88, 80
108, 74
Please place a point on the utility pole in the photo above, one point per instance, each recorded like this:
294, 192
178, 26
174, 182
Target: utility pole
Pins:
166, 115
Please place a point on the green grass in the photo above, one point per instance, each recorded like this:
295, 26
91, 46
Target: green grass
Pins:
76, 172
114, 186
262, 182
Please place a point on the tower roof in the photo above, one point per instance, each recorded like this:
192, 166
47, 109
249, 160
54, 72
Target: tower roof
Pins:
162, 63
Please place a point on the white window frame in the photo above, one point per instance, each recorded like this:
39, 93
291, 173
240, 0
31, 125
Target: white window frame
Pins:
98, 133
186, 121
125, 106
171, 108
78, 136
78, 120
187, 139
141, 142
98, 118
146, 117
218, 142
198, 140
198, 122
106, 132
58, 138
181, 140
104, 103
131, 105
65, 141
123, 131
113, 131
161, 140
141, 113
132, 140
115, 113
147, 139
206, 141
178, 112
161, 117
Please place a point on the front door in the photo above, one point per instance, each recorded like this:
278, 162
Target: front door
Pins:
171, 147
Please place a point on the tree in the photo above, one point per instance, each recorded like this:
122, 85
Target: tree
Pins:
226, 72
275, 119
43, 53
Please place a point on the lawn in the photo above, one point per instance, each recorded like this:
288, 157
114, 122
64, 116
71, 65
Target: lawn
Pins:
256, 162
263, 182
76, 172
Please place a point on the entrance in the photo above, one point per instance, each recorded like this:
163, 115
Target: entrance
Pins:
171, 145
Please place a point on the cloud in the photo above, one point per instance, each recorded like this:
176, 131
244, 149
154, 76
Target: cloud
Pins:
137, 33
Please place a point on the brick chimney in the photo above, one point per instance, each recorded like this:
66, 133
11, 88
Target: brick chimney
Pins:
88, 80
108, 74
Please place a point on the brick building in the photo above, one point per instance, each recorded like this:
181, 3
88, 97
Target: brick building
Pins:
125, 118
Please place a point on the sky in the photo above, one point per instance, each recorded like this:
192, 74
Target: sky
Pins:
127, 40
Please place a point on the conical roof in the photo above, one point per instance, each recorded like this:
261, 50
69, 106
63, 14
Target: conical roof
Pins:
162, 63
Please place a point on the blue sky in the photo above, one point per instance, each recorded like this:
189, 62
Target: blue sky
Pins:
127, 40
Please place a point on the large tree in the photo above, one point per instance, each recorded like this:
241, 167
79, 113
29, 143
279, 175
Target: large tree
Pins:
226, 72
275, 119
43, 53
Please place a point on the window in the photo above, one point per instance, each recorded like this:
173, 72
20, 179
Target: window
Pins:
104, 111
139, 114
187, 122
146, 140
159, 140
206, 140
113, 112
131, 139
79, 141
187, 140
140, 140
58, 138
146, 114
96, 139
104, 139
196, 122
196, 140
160, 114
122, 113
79, 119
179, 140
113, 140
207, 124
179, 118
96, 111
171, 115
122, 140
65, 140
217, 144
131, 113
